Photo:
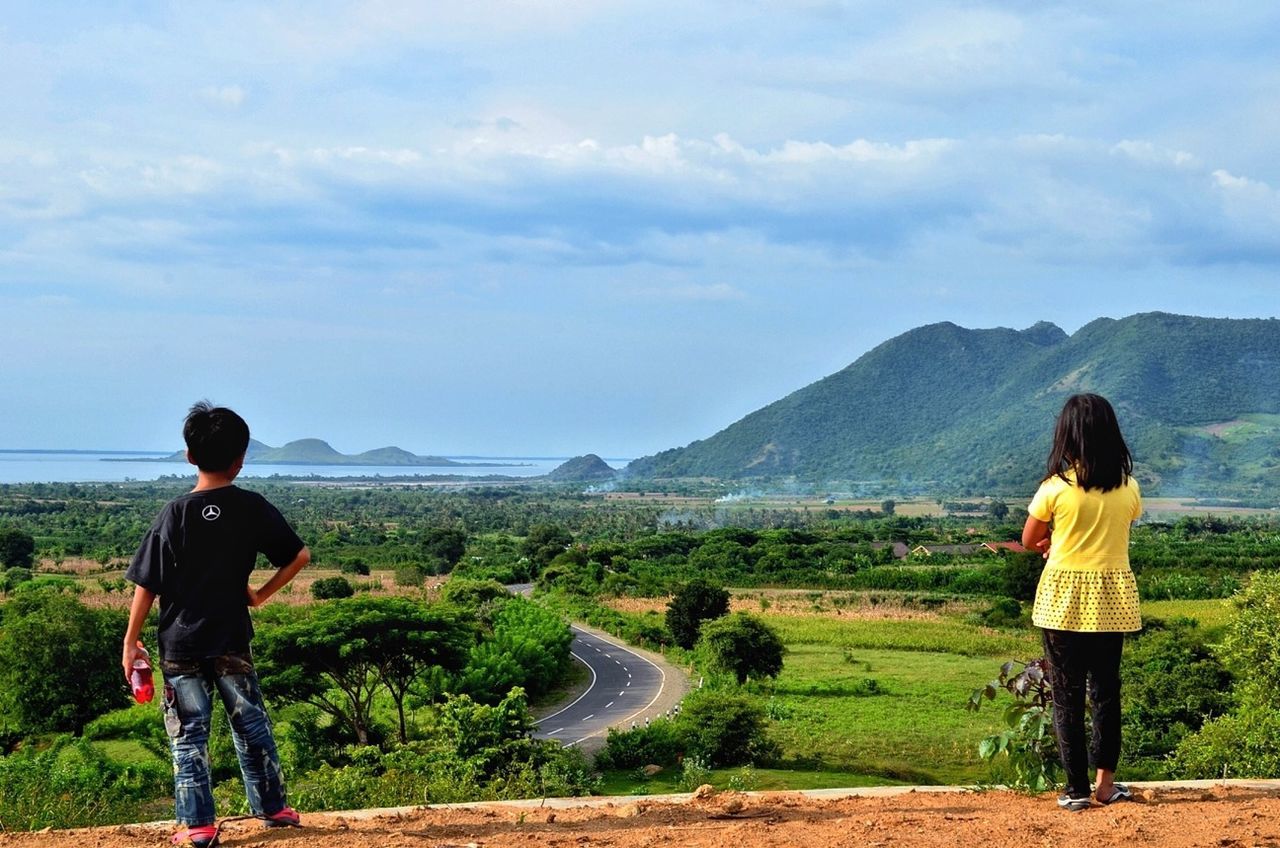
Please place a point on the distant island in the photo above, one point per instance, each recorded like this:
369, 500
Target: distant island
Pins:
320, 452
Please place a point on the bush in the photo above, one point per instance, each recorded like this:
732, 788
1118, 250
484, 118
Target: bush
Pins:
1245, 743
1004, 612
410, 575
72, 784
1020, 575
659, 743
353, 566
59, 663
725, 728
1172, 685
13, 578
331, 587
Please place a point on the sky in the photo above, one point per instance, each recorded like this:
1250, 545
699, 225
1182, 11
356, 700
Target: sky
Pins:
552, 227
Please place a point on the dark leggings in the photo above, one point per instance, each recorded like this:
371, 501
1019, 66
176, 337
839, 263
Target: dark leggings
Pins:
1080, 663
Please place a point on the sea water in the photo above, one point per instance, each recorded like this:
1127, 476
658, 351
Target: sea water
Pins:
91, 467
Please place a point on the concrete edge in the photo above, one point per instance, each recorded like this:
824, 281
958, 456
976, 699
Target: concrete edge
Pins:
596, 801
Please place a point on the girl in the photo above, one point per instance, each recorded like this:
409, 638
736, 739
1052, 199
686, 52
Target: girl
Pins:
1087, 598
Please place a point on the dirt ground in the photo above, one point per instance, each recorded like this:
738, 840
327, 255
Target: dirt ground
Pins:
1223, 817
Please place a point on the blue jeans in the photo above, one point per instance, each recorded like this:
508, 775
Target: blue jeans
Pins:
188, 708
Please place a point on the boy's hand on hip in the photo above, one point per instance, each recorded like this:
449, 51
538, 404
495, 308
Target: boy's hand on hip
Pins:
252, 595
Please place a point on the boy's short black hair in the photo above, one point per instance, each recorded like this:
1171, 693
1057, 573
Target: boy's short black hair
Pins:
216, 437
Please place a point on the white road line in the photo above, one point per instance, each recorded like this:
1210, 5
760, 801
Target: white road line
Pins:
554, 732
580, 697
608, 705
588, 718
620, 694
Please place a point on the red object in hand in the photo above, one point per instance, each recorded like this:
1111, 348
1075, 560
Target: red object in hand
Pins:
144, 688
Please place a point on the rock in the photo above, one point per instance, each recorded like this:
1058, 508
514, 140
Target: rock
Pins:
704, 791
650, 770
629, 811
1148, 795
733, 806
551, 817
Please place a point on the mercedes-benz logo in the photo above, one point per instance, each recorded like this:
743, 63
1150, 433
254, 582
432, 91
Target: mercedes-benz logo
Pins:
211, 512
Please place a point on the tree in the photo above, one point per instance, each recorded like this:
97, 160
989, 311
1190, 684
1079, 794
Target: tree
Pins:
742, 646
544, 543
445, 544
59, 662
337, 655
888, 506
693, 603
529, 648
17, 548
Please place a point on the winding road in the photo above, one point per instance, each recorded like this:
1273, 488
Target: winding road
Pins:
624, 687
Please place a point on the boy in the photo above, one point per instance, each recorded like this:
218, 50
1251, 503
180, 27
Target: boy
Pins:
197, 558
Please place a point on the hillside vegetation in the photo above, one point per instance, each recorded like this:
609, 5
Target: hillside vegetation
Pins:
944, 407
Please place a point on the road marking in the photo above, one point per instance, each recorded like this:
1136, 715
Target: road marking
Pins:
619, 662
554, 732
580, 697
628, 674
628, 682
620, 694
588, 718
608, 705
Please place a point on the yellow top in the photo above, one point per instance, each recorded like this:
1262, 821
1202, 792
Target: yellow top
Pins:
1087, 585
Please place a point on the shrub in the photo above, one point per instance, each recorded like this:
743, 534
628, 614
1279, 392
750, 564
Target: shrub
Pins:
658, 743
353, 566
72, 784
331, 587
410, 575
725, 728
59, 662
1172, 684
1245, 743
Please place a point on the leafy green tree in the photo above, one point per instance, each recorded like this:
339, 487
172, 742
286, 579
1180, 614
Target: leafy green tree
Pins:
445, 544
529, 648
544, 543
337, 655
1020, 575
743, 646
998, 509
17, 548
692, 604
888, 506
59, 663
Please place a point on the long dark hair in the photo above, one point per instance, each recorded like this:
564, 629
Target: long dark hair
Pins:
1087, 440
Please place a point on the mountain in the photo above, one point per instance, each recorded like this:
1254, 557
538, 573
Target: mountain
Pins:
944, 408
320, 452
583, 469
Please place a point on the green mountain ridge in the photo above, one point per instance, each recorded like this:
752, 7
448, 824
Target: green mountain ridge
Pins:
942, 408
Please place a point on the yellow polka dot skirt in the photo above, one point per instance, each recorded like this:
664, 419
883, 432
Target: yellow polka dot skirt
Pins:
1087, 601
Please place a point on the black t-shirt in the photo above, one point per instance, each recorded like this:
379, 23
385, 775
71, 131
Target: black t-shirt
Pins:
197, 557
